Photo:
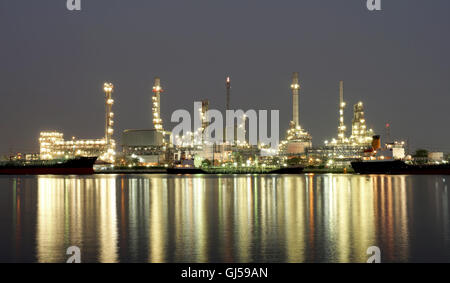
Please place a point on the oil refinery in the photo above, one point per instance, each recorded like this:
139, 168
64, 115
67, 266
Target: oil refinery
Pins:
53, 145
156, 147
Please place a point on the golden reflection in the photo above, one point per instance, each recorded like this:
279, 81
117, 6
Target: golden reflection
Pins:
69, 210
244, 228
225, 228
392, 215
107, 213
50, 220
158, 211
200, 214
242, 218
311, 213
294, 218
17, 214
300, 218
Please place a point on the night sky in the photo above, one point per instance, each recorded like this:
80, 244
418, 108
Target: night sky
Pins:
53, 63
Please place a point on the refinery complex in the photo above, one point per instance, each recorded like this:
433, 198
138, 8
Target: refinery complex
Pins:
157, 147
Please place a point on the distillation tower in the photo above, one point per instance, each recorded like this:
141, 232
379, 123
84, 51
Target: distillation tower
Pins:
342, 150
110, 145
360, 134
297, 139
156, 105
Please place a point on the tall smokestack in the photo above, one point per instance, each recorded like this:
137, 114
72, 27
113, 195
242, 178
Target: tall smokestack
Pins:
295, 86
341, 128
228, 84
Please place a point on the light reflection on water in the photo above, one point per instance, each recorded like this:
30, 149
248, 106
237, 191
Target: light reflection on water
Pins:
267, 218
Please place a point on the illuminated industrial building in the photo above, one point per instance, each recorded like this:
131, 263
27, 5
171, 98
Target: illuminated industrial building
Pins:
340, 151
147, 146
53, 145
193, 147
361, 136
297, 139
237, 150
151, 147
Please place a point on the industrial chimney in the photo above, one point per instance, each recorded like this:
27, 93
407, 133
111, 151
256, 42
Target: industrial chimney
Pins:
295, 86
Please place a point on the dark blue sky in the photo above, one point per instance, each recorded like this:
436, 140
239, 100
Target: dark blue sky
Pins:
53, 63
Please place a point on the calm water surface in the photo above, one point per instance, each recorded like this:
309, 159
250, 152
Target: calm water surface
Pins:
265, 218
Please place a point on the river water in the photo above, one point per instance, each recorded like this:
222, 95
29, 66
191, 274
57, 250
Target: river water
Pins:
241, 218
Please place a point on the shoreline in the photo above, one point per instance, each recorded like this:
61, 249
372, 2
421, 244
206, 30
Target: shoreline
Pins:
220, 171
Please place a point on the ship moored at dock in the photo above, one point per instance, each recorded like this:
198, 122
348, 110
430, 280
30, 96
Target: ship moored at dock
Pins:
71, 166
392, 160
